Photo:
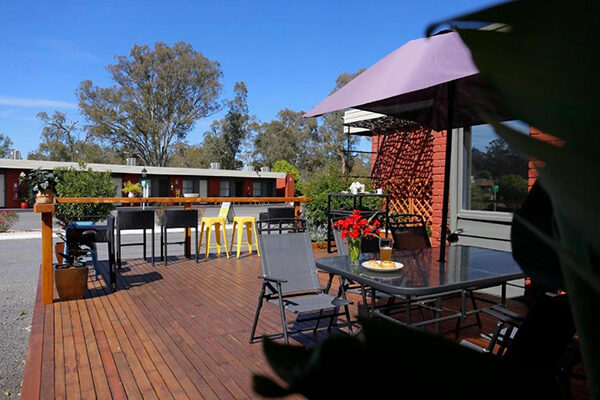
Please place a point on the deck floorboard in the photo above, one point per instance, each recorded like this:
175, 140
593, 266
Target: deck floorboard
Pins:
179, 331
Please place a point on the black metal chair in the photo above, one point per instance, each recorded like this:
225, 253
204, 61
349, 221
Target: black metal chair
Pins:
177, 219
106, 234
542, 342
290, 281
409, 231
281, 225
134, 219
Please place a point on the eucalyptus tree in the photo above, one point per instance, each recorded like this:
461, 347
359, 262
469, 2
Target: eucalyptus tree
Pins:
157, 96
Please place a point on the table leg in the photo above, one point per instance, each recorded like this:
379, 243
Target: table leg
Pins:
188, 235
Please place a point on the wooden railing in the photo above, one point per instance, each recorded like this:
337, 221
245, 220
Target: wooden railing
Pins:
47, 210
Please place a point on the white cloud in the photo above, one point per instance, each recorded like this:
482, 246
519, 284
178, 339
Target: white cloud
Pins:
34, 103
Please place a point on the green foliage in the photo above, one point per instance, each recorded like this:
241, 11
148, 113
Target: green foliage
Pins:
318, 187
224, 141
388, 358
25, 193
499, 159
157, 97
289, 137
81, 182
8, 219
6, 146
190, 156
130, 187
284, 166
512, 187
541, 72
39, 180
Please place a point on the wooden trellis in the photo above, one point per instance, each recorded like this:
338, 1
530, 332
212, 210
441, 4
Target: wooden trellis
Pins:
404, 168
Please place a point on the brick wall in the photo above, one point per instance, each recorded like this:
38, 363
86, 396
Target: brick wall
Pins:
410, 167
439, 164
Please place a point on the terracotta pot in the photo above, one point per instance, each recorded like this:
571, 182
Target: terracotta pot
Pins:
71, 283
59, 247
45, 197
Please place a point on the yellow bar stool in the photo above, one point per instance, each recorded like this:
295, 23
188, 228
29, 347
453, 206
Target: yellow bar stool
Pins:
218, 222
250, 224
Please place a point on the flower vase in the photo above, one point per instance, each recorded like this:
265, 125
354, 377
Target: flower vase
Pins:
354, 250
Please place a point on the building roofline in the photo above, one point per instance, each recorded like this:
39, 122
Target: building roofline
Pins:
137, 169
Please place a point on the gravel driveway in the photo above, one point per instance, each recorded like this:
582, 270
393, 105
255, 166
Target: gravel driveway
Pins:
19, 270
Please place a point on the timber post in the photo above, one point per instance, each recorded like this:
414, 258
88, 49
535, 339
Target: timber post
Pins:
47, 274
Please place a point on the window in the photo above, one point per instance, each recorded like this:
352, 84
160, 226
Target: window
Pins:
494, 174
257, 185
191, 186
225, 188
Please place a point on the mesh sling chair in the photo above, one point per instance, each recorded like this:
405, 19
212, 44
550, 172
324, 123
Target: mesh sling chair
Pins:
177, 219
134, 219
290, 281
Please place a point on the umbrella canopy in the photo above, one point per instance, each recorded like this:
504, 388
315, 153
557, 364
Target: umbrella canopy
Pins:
432, 81
412, 83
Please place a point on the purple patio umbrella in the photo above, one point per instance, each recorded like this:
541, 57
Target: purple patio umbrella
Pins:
432, 81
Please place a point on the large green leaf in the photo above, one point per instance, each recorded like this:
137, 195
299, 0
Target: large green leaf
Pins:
543, 70
394, 361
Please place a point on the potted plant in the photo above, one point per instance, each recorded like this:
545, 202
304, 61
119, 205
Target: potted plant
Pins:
132, 189
353, 229
71, 275
42, 182
25, 195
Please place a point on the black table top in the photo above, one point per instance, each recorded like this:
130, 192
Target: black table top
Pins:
467, 267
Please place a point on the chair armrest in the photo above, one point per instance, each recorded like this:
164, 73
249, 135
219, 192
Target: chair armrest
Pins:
271, 279
339, 302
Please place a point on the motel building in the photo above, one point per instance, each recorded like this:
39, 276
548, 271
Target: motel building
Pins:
162, 181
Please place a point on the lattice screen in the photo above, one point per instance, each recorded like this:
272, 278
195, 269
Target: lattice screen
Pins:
404, 167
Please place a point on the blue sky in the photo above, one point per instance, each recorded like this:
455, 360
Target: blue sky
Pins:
288, 53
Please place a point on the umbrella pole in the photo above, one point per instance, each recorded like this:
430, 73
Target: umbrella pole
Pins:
446, 194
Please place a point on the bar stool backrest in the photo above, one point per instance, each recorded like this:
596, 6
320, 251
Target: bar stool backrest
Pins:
409, 231
180, 218
135, 219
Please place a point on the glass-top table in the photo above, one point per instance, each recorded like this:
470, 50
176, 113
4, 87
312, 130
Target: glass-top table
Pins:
467, 268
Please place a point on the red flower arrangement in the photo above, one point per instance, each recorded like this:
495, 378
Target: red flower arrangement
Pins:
354, 228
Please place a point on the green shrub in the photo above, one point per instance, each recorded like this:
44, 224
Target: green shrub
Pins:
318, 187
8, 219
81, 182
512, 187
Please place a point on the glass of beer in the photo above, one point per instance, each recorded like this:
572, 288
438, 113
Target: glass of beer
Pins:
385, 249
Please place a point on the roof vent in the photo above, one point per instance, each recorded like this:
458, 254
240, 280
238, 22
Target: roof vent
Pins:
131, 161
215, 165
265, 169
249, 168
15, 154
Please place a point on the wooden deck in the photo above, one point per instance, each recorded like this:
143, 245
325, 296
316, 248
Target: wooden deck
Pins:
173, 332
